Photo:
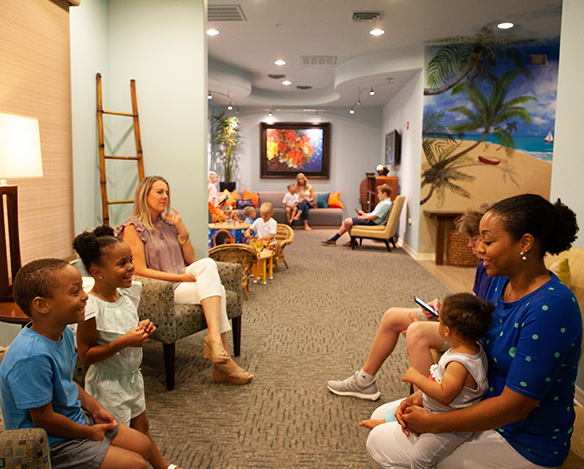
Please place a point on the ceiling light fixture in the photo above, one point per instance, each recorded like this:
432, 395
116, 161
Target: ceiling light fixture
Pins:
377, 32
230, 107
505, 25
270, 114
212, 32
372, 93
352, 111
280, 62
209, 96
286, 82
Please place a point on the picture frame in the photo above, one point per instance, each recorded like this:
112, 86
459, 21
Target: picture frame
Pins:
289, 148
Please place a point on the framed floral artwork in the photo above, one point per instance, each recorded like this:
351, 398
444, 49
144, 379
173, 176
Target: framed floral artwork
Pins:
289, 148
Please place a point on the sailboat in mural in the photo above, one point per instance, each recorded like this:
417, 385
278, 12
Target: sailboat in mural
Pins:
549, 138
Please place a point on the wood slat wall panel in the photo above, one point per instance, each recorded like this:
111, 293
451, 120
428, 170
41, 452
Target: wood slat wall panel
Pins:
35, 80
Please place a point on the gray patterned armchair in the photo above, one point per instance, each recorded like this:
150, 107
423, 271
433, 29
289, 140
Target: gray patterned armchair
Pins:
174, 322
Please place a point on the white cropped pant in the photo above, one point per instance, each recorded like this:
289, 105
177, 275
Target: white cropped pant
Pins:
208, 284
390, 448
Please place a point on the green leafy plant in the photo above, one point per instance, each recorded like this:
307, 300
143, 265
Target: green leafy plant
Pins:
226, 139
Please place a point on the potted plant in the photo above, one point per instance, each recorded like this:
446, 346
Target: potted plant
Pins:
226, 142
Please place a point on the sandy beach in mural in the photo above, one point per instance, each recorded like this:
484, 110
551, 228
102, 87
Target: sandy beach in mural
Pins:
515, 174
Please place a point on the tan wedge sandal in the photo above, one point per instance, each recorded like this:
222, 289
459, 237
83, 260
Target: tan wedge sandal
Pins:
230, 374
214, 351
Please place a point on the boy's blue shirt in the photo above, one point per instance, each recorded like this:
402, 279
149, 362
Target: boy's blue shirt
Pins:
34, 372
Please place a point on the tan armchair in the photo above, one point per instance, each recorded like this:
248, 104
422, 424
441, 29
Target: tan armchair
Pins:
240, 254
384, 232
284, 237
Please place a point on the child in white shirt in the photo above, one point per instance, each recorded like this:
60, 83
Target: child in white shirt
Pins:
265, 226
291, 204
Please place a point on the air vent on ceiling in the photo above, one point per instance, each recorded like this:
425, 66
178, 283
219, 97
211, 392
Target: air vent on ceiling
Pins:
304, 87
368, 16
318, 59
538, 59
277, 77
225, 13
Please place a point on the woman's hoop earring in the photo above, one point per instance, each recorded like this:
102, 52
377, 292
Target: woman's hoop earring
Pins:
523, 256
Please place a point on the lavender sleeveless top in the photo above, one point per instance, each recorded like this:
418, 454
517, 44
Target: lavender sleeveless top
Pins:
161, 247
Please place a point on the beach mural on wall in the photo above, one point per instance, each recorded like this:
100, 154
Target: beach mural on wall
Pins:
489, 116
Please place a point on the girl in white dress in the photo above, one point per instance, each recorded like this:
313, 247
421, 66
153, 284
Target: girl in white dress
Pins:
111, 338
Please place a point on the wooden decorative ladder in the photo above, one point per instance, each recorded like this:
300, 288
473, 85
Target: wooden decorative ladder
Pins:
105, 202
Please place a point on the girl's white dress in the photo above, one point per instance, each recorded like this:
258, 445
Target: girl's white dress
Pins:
117, 382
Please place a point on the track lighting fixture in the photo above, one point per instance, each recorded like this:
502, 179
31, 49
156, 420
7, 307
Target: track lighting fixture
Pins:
209, 96
352, 111
372, 93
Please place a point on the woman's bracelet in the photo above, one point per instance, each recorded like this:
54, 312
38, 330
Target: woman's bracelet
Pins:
184, 241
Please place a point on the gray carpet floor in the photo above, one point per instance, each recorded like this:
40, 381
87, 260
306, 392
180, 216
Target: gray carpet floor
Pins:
313, 322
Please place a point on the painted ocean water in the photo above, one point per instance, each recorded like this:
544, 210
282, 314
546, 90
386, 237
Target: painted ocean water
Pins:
533, 146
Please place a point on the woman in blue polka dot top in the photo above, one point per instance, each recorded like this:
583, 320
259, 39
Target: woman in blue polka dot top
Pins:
533, 347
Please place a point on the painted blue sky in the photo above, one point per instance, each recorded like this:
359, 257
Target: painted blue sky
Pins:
543, 87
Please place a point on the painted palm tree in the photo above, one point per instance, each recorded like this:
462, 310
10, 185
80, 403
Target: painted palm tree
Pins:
472, 58
492, 114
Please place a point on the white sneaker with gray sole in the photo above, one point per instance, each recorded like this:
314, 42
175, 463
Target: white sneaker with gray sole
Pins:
352, 387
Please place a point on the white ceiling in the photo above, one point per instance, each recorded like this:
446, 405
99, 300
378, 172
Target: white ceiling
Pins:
243, 54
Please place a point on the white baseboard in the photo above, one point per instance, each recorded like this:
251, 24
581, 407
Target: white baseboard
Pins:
579, 397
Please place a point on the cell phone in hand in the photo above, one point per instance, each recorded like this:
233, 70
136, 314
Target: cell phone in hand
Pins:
426, 306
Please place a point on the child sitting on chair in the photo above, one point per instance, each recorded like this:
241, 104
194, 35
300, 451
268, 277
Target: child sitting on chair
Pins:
250, 213
458, 380
291, 204
265, 226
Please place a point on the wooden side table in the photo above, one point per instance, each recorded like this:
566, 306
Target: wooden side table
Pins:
10, 312
442, 216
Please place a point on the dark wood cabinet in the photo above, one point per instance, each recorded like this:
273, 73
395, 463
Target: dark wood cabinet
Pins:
369, 200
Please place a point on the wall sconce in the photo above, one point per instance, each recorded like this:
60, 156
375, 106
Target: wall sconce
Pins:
20, 157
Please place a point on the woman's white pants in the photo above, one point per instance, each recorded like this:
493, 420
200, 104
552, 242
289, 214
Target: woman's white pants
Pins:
388, 446
208, 284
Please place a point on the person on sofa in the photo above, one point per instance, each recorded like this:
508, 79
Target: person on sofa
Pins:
379, 214
162, 250
305, 198
421, 326
533, 348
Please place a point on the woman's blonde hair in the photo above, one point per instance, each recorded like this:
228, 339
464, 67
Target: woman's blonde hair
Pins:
141, 209
306, 185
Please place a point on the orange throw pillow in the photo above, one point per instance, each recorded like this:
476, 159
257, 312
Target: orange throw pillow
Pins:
215, 212
231, 200
250, 195
335, 200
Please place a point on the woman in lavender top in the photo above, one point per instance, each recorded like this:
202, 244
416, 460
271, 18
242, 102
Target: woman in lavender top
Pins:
162, 250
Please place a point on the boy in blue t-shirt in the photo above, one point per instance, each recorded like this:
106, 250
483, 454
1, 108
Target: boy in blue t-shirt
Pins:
36, 376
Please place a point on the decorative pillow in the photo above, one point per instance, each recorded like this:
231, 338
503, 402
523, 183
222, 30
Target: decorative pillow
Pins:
334, 200
322, 200
562, 270
232, 198
240, 204
250, 195
224, 196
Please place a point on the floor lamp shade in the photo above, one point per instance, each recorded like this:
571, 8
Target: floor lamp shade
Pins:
20, 157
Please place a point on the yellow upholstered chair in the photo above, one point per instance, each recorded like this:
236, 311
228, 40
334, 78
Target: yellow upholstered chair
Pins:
384, 232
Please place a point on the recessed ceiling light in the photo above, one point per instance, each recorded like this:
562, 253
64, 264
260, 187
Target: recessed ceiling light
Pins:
286, 82
280, 62
212, 32
377, 32
505, 25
